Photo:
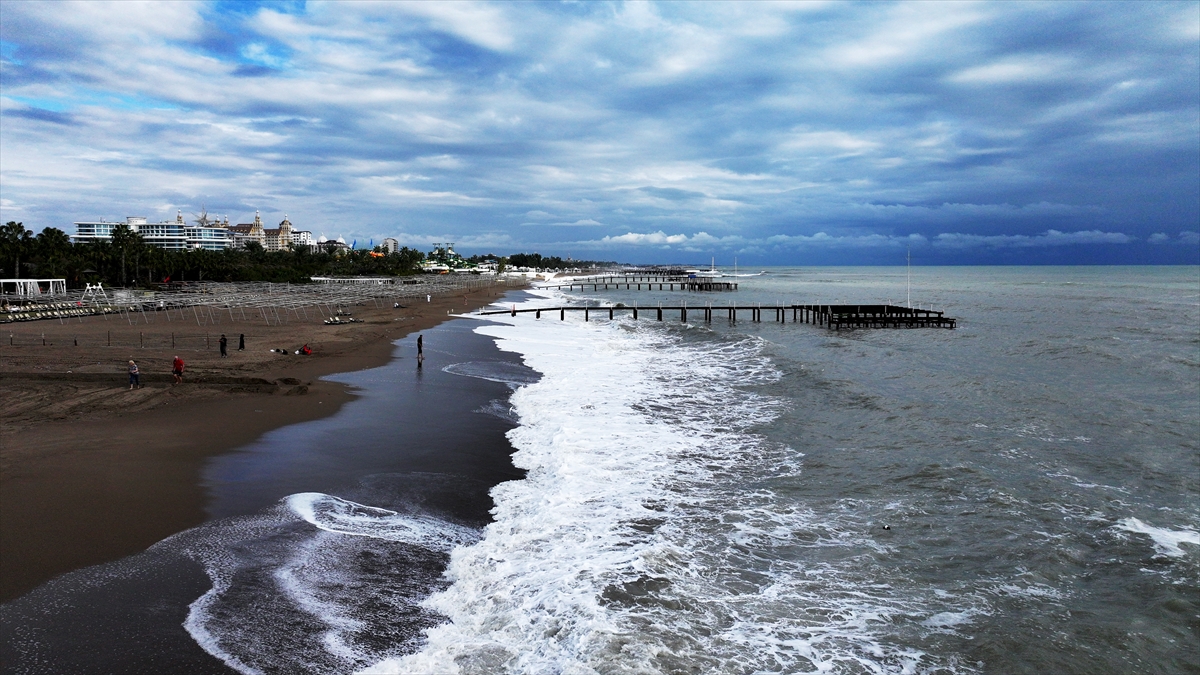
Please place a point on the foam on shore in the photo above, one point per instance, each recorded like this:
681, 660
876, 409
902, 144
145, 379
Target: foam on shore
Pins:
637, 542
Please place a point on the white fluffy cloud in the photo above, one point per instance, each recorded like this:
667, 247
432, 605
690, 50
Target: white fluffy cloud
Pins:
780, 128
822, 240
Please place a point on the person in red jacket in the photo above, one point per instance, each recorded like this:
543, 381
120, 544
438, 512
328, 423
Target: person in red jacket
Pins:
177, 370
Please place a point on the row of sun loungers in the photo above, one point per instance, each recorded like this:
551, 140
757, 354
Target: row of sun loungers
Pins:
58, 310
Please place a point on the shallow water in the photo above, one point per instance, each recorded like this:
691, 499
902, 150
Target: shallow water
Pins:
325, 536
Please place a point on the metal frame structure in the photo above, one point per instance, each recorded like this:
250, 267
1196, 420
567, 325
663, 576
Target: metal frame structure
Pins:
274, 304
31, 288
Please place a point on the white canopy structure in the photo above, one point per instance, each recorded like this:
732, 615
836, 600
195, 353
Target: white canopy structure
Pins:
32, 288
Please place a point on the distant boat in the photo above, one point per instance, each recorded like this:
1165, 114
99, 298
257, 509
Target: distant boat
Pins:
710, 273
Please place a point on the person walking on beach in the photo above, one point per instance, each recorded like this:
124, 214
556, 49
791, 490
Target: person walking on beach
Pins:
420, 351
177, 370
242, 342
134, 375
224, 343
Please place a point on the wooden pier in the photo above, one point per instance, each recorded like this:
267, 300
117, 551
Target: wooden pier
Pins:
651, 282
835, 317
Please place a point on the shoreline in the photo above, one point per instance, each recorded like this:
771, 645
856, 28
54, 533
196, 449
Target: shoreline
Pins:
91, 471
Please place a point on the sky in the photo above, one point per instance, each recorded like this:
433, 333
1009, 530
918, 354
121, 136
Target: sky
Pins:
785, 133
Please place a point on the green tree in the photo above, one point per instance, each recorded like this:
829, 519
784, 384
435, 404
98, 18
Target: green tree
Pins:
53, 248
15, 241
124, 239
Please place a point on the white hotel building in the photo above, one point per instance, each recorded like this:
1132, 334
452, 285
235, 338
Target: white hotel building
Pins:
177, 235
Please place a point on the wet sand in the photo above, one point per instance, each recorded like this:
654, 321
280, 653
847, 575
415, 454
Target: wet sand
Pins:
91, 471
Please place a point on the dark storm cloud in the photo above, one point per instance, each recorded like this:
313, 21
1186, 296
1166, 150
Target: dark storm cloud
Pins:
809, 132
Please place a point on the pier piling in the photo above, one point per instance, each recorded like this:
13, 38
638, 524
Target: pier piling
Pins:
834, 317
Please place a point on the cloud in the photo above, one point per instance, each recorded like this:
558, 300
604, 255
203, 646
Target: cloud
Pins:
1023, 69
988, 131
673, 194
1048, 238
826, 241
43, 115
1185, 238
479, 23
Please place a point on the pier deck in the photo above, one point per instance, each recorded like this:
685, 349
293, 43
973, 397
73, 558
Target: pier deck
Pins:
650, 282
834, 317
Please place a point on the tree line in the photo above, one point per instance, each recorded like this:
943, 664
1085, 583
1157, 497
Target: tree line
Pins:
128, 261
538, 261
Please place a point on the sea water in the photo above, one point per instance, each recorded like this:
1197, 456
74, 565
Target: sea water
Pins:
1017, 495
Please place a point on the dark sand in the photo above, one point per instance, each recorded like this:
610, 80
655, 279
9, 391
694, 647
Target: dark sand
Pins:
91, 472
410, 439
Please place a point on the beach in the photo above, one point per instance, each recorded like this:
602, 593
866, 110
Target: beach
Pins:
91, 471
1015, 495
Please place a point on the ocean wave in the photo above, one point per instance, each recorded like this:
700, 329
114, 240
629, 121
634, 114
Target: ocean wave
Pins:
1166, 542
638, 541
335, 572
496, 371
342, 516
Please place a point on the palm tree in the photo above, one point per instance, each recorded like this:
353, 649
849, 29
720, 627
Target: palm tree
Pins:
53, 248
124, 238
15, 240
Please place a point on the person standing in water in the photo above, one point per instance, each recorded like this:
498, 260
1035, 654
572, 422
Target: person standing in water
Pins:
224, 344
134, 380
420, 351
241, 342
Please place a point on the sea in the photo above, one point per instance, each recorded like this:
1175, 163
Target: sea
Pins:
1020, 494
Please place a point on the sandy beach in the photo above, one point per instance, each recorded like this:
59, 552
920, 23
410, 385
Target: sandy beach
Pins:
91, 471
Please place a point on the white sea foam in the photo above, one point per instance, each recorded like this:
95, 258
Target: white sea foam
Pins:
495, 371
328, 585
948, 619
632, 544
342, 516
1166, 542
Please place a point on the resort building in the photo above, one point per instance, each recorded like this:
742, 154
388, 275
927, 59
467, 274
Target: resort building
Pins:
244, 233
271, 239
210, 235
336, 246
173, 235
280, 238
391, 245
303, 238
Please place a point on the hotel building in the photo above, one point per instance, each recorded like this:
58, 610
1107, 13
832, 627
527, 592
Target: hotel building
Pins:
214, 235
173, 235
